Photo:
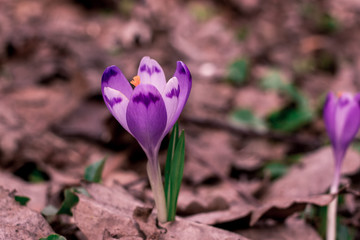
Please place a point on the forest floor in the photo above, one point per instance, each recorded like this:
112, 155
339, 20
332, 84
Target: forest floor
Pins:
258, 161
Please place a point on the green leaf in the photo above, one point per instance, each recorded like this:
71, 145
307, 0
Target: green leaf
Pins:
289, 119
275, 169
94, 171
70, 201
246, 118
37, 176
328, 23
355, 145
238, 71
322, 217
22, 200
176, 174
294, 115
53, 237
170, 155
344, 232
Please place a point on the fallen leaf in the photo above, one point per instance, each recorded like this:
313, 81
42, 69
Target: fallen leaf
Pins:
37, 192
20, 222
312, 175
205, 150
99, 218
292, 229
282, 207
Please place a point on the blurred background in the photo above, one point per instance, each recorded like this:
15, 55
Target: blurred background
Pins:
261, 71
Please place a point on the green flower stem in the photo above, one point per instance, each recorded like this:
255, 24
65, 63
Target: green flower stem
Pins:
154, 173
332, 207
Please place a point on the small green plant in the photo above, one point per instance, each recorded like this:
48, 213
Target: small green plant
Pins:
295, 114
94, 171
22, 200
53, 237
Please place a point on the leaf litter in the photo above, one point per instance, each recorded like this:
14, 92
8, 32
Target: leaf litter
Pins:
52, 126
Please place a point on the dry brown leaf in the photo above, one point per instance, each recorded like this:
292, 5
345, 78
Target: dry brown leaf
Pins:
292, 229
205, 150
214, 204
262, 103
236, 212
289, 194
113, 213
303, 184
19, 222
82, 122
37, 192
313, 175
283, 207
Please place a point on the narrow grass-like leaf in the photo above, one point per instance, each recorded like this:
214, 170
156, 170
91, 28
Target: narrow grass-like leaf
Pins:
94, 171
176, 174
70, 201
170, 155
22, 200
53, 237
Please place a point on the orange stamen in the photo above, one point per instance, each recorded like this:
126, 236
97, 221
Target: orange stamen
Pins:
135, 81
339, 94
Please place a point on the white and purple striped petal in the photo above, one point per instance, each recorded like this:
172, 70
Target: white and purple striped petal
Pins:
146, 117
171, 99
150, 72
116, 92
183, 76
117, 103
114, 78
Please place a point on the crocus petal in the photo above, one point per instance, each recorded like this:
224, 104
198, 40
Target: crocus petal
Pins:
114, 78
171, 99
150, 72
329, 115
357, 98
117, 104
146, 117
183, 75
347, 119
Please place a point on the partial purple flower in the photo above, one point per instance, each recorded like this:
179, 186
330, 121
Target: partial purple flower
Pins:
342, 121
148, 111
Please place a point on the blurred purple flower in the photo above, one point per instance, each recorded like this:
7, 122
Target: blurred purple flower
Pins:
342, 121
148, 111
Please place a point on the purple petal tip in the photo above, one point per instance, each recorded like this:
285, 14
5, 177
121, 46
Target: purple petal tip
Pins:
180, 67
109, 72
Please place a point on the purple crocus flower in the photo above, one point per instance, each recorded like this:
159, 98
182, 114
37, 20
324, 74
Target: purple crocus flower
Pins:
342, 121
148, 111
